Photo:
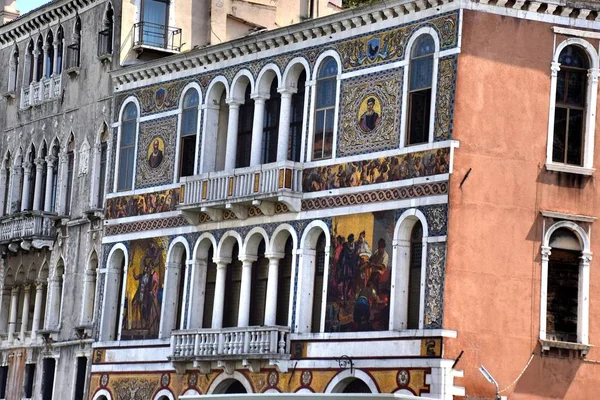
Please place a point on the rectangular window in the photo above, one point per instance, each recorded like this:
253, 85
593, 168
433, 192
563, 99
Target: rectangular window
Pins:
419, 111
102, 179
80, 380
28, 380
3, 380
188, 155
48, 369
154, 31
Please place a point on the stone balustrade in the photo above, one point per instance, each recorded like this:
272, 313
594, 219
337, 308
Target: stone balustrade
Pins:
39, 92
26, 227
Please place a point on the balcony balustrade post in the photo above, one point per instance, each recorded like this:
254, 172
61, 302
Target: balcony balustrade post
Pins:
196, 351
232, 131
37, 194
257, 129
37, 310
272, 287
245, 290
284, 123
219, 302
25, 314
50, 165
12, 322
220, 343
27, 166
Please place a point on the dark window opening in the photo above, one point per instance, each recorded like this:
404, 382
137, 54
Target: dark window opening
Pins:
562, 297
39, 60
59, 53
318, 284
48, 369
189, 129
297, 119
28, 380
180, 292
3, 381
357, 386
414, 280
271, 125
209, 292
80, 380
258, 294
155, 22
419, 91
244, 139
236, 387
102, 177
284, 284
233, 284
70, 166
49, 55
569, 113
105, 36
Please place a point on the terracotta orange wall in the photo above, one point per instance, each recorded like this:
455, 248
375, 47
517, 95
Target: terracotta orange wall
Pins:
493, 268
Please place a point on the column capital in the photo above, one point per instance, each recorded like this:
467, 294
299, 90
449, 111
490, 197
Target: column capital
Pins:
593, 74
234, 103
260, 98
15, 171
222, 261
15, 290
247, 259
287, 91
39, 163
62, 158
586, 257
39, 284
274, 256
27, 167
546, 251
208, 106
27, 288
51, 161
554, 68
36, 52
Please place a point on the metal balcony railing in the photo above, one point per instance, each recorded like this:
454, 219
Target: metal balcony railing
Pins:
105, 43
148, 34
253, 342
25, 226
261, 181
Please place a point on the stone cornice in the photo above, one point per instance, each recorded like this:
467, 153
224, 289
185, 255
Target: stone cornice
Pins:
343, 21
38, 19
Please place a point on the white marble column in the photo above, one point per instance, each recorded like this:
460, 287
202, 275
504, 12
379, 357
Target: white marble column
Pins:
219, 302
306, 276
25, 312
284, 123
272, 289
27, 166
38, 195
36, 53
245, 291
198, 293
583, 303
168, 321
54, 299
257, 130
232, 132
37, 310
210, 135
89, 289
12, 321
96, 189
111, 308
50, 165
61, 195
4, 309
55, 69
45, 59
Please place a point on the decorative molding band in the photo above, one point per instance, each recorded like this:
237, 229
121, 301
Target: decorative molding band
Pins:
376, 196
148, 225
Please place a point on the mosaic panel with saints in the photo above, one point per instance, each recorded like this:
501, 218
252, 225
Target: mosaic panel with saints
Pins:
358, 291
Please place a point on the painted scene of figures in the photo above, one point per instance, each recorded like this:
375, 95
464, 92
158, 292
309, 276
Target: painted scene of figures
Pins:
358, 293
378, 170
145, 279
142, 204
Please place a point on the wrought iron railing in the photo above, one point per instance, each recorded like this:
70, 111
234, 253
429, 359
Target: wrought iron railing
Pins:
105, 43
148, 34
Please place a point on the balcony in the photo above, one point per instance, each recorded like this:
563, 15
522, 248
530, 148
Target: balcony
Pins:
38, 92
248, 344
261, 185
156, 37
27, 230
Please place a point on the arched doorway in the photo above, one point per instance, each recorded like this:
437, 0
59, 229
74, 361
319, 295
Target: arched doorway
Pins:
356, 386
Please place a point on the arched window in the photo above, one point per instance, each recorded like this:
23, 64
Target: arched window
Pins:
233, 284
54, 187
271, 125
74, 49
244, 138
6, 184
209, 291
284, 284
258, 297
14, 68
59, 51
29, 61
49, 54
419, 91
105, 36
414, 279
114, 295
297, 119
325, 109
318, 284
569, 113
31, 178
189, 133
70, 173
39, 59
127, 147
102, 166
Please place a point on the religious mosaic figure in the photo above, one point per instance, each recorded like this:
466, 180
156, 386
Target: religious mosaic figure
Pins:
370, 119
156, 156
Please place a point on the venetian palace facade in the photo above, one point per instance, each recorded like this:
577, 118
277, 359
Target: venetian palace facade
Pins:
378, 200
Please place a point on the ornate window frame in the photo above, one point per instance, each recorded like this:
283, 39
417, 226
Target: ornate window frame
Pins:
119, 125
552, 222
590, 109
184, 92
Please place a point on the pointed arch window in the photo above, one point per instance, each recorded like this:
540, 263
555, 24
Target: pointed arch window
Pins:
105, 36
54, 181
60, 36
29, 61
14, 68
103, 162
127, 147
49, 54
74, 49
39, 60
325, 109
6, 184
70, 173
31, 178
189, 133
419, 91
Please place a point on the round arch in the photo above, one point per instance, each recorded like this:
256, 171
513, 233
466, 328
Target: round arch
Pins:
225, 247
130, 99
164, 394
203, 245
189, 86
279, 237
252, 241
191, 392
427, 30
214, 93
265, 77
584, 44
406, 222
102, 394
311, 233
238, 87
328, 53
339, 382
293, 70
220, 384
581, 235
174, 252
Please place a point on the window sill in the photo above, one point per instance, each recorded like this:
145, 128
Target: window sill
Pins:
570, 169
105, 58
9, 95
583, 349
